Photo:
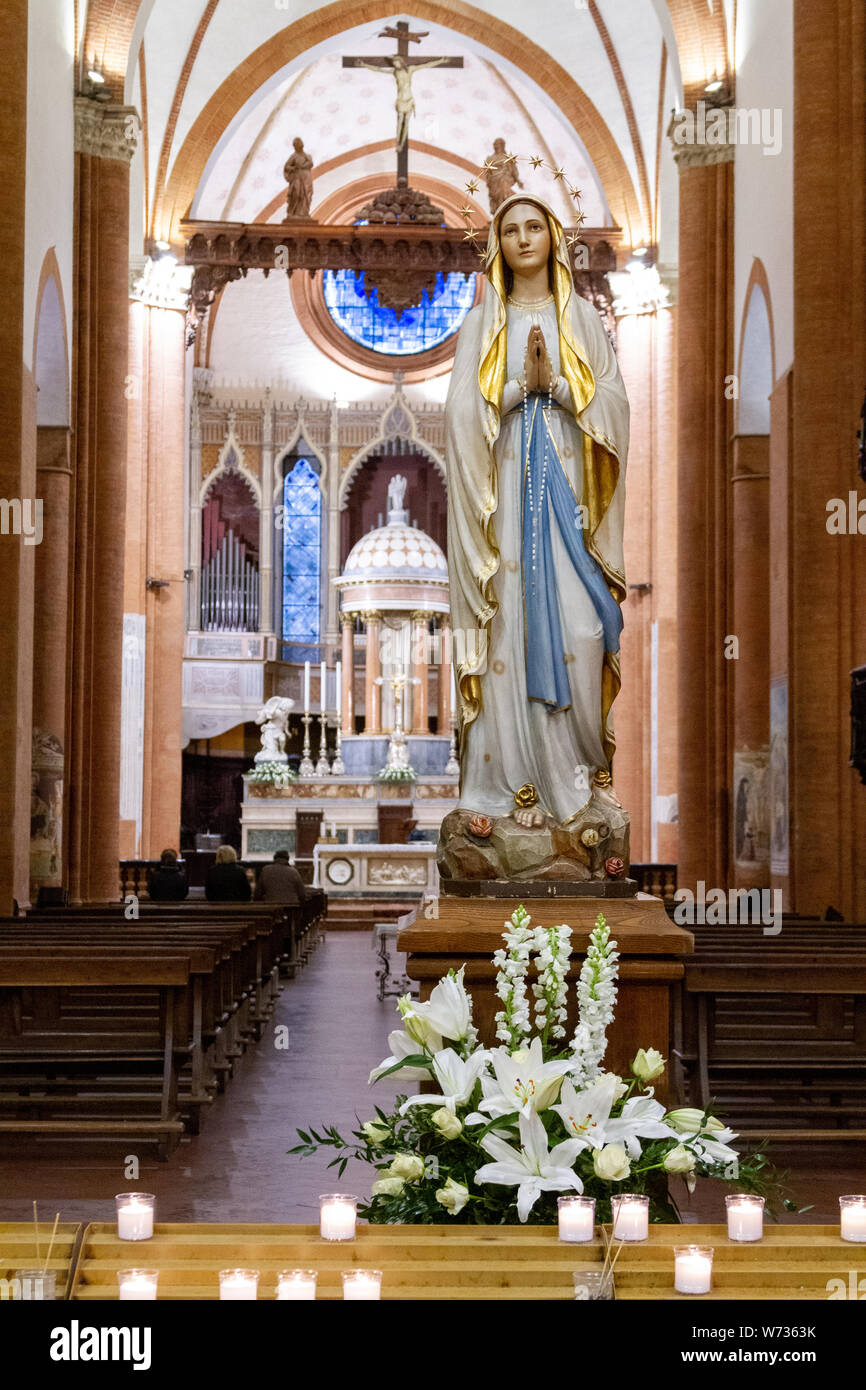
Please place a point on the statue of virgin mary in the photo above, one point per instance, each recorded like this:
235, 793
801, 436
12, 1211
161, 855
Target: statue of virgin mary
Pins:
537, 436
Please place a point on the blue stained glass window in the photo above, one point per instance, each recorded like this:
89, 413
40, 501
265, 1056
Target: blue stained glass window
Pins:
364, 321
302, 556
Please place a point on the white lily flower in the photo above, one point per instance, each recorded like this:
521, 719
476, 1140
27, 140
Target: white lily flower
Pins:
456, 1077
716, 1149
641, 1116
586, 1113
532, 1169
524, 1081
401, 1046
449, 1008
417, 1023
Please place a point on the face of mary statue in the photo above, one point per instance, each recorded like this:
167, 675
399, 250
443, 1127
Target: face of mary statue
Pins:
525, 240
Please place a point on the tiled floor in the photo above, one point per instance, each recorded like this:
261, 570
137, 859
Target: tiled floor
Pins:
237, 1169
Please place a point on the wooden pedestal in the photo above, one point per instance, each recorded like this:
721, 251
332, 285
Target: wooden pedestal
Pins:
651, 948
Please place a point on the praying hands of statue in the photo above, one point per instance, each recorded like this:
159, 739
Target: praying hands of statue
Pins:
537, 366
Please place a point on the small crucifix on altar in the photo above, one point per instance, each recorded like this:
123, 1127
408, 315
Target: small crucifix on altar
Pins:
401, 67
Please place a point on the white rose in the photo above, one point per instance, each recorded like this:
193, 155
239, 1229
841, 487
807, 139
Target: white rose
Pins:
387, 1187
648, 1064
611, 1163
680, 1160
693, 1122
376, 1133
447, 1124
453, 1196
407, 1167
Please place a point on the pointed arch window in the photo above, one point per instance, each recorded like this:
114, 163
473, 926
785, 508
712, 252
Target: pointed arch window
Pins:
302, 558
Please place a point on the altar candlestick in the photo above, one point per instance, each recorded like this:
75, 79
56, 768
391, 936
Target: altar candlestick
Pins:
338, 699
323, 686
306, 687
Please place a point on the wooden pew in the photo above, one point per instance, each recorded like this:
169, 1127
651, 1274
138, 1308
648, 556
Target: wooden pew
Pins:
774, 1027
49, 981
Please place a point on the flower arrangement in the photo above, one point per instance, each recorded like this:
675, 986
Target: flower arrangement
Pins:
510, 1127
398, 774
271, 774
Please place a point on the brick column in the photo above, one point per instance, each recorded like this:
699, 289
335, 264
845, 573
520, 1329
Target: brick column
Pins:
16, 559
750, 584
372, 669
54, 476
104, 142
827, 591
704, 358
347, 725
443, 706
156, 532
420, 669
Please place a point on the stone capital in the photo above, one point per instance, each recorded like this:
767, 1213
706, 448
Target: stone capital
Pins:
105, 131
160, 284
701, 137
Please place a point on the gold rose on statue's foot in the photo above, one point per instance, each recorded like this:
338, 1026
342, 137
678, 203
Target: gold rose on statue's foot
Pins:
481, 826
613, 867
526, 813
602, 789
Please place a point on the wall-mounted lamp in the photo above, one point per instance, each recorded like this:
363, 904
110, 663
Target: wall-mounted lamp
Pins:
156, 583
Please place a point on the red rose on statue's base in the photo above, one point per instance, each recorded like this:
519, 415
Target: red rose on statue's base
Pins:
614, 868
481, 826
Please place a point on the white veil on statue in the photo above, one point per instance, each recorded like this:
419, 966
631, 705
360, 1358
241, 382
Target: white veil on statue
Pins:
588, 364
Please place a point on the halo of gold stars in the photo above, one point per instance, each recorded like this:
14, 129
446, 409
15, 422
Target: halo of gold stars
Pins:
535, 162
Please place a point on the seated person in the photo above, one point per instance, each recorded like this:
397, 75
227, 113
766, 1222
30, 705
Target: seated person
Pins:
226, 880
168, 883
280, 882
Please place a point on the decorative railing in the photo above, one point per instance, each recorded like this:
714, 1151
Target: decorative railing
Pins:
658, 879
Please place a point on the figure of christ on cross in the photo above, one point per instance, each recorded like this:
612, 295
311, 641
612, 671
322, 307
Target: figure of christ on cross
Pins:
401, 68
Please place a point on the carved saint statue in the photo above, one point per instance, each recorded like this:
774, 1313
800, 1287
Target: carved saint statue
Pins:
274, 717
396, 493
500, 171
402, 73
537, 435
297, 173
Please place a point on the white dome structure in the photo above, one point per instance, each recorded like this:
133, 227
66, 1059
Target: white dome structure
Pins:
395, 568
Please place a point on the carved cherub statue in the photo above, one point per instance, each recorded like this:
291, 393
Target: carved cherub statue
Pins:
274, 717
396, 493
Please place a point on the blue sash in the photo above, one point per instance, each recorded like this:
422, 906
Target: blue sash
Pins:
546, 673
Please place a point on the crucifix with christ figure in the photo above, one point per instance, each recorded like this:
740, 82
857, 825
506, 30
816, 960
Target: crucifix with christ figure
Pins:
401, 67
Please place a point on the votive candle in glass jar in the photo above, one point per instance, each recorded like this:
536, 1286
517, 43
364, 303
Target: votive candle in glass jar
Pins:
35, 1285
745, 1214
296, 1284
693, 1268
630, 1217
135, 1215
337, 1216
137, 1284
576, 1219
238, 1285
362, 1285
852, 1218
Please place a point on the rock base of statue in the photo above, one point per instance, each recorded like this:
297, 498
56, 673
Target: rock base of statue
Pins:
590, 852
265, 755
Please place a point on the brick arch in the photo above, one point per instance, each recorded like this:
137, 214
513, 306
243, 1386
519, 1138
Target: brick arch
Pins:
702, 43
108, 35
173, 202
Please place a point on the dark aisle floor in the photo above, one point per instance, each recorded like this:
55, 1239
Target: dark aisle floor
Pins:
237, 1169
